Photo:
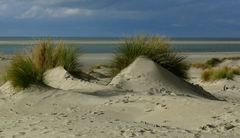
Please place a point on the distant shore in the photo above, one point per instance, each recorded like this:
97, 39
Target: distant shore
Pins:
114, 42
102, 58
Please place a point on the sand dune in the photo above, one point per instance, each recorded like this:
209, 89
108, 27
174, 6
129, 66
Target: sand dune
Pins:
136, 107
61, 79
144, 75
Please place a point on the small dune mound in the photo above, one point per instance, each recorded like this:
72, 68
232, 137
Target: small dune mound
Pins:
61, 79
145, 76
230, 63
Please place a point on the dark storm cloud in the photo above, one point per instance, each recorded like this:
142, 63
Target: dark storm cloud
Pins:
117, 17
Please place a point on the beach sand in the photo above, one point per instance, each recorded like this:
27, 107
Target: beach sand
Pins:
144, 100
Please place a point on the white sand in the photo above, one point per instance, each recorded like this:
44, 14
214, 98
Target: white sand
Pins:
59, 78
143, 75
74, 108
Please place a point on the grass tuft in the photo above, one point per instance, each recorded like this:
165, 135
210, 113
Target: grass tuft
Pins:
213, 62
27, 70
153, 47
48, 55
42, 55
22, 72
219, 73
66, 57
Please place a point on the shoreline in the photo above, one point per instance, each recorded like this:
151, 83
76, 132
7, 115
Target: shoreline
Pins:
114, 42
190, 56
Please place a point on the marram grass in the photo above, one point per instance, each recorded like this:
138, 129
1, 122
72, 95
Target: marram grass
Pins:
48, 55
66, 57
153, 47
219, 73
23, 72
213, 62
27, 70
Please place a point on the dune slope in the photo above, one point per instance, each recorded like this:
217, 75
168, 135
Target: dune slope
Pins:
145, 76
61, 79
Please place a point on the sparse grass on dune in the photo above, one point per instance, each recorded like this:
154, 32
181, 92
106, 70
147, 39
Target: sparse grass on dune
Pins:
208, 64
213, 62
219, 73
153, 47
27, 70
48, 55
231, 58
67, 57
43, 55
23, 72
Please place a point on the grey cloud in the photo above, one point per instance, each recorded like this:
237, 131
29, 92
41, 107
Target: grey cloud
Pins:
40, 12
141, 9
81, 8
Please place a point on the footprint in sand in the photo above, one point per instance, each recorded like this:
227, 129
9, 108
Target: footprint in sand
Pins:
98, 112
149, 110
161, 106
20, 134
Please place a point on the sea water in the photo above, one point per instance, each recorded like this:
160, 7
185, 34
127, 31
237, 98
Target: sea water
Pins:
201, 45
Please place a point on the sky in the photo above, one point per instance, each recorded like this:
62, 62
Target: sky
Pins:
119, 18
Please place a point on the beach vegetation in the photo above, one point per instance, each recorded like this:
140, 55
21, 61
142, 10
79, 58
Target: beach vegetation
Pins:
213, 62
154, 47
22, 72
208, 64
28, 69
48, 55
219, 73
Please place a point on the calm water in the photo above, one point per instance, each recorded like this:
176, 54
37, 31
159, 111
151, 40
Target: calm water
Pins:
110, 48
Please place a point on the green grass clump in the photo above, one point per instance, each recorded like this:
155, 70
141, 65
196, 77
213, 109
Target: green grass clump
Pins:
27, 70
208, 64
23, 72
219, 73
153, 47
67, 57
213, 62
